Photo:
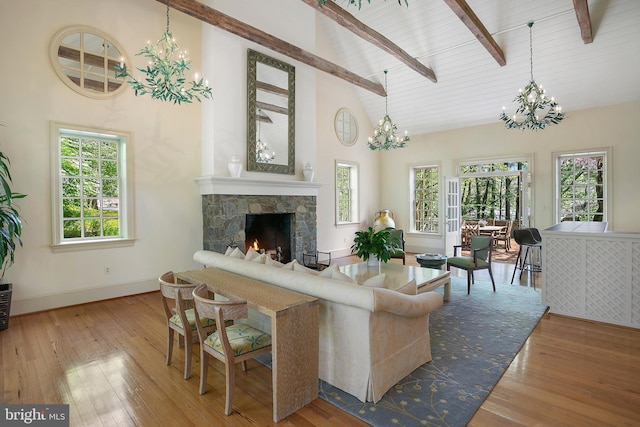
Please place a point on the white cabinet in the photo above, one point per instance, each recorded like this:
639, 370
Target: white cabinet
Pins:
591, 273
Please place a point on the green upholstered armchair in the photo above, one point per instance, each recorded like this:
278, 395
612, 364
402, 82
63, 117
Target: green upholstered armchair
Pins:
399, 235
480, 259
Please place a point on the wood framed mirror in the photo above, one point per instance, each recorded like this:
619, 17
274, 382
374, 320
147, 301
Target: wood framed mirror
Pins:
270, 114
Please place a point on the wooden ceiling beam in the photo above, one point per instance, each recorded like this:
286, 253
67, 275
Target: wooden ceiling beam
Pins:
469, 18
225, 22
584, 20
348, 21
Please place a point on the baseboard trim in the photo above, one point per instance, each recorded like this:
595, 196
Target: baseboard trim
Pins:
80, 296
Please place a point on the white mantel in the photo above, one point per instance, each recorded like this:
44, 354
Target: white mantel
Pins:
256, 187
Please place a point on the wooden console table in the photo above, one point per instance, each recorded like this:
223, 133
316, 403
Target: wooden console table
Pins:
294, 333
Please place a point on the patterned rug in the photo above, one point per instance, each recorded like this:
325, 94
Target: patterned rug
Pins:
474, 338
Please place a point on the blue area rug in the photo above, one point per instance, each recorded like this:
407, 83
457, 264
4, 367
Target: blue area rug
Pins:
474, 338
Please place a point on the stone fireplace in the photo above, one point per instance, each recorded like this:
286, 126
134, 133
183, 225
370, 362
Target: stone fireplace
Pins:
226, 205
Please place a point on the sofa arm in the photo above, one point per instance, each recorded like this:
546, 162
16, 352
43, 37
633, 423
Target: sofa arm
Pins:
406, 305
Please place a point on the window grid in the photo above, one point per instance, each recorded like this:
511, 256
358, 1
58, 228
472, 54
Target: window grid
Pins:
90, 180
582, 179
425, 210
343, 185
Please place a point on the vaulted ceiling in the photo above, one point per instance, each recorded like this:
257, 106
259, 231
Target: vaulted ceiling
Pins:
456, 63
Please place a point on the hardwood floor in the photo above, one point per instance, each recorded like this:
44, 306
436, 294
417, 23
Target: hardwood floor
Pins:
106, 360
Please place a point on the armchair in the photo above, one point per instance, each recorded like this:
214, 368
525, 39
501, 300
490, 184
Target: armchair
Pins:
398, 234
480, 259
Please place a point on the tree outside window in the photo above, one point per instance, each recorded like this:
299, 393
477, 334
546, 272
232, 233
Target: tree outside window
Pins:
425, 199
581, 180
92, 195
346, 192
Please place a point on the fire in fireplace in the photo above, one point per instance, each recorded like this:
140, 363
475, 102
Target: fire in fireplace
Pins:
270, 233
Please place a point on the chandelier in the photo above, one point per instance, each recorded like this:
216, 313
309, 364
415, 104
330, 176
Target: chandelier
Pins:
384, 137
164, 76
263, 152
536, 109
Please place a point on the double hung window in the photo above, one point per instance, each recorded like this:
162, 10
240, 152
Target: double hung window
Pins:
92, 187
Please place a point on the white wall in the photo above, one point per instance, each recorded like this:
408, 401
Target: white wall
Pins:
166, 147
616, 126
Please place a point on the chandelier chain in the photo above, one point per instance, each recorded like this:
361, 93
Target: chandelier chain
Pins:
168, 16
530, 24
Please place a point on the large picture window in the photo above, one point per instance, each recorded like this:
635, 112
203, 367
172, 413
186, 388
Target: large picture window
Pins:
581, 186
346, 192
425, 185
91, 186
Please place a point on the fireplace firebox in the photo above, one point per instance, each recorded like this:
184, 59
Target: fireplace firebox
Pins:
270, 233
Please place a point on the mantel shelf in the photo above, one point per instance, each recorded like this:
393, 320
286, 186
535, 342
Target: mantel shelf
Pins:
253, 186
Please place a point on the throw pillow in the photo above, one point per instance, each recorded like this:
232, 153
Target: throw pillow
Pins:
236, 253
379, 281
409, 289
260, 259
251, 254
333, 272
289, 265
302, 268
270, 261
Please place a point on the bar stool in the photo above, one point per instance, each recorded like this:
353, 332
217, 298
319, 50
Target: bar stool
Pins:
530, 242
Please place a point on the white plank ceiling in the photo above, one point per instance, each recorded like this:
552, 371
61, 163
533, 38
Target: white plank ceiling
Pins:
472, 87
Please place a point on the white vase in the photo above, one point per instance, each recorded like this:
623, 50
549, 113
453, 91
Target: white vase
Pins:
308, 172
373, 261
235, 166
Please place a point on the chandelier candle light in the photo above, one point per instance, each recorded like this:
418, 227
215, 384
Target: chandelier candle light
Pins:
532, 103
164, 76
384, 137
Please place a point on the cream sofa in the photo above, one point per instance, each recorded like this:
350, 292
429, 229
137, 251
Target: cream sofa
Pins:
370, 338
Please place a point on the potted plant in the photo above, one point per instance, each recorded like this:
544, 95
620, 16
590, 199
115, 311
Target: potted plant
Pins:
377, 243
10, 233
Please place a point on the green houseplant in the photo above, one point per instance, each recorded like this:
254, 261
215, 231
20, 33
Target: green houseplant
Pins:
379, 243
10, 234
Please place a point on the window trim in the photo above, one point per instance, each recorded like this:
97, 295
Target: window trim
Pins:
127, 208
355, 198
608, 176
412, 193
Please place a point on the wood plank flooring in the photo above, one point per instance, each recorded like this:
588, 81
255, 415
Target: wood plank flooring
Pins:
106, 360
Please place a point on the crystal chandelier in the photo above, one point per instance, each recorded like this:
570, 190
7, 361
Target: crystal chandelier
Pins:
164, 76
536, 109
384, 137
263, 152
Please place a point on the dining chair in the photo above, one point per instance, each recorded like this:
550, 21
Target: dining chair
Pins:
234, 343
177, 299
504, 235
468, 229
480, 259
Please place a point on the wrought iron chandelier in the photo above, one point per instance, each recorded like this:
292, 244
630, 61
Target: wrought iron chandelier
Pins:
536, 109
384, 137
263, 152
164, 76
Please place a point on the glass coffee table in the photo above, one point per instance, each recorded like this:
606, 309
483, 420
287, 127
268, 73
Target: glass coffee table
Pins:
398, 275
